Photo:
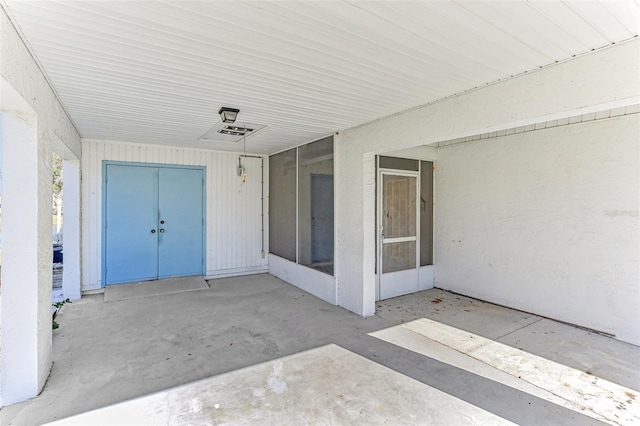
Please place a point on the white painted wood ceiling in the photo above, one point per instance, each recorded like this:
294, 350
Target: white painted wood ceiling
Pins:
157, 72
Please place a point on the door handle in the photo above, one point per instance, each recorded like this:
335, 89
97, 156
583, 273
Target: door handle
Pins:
161, 230
153, 231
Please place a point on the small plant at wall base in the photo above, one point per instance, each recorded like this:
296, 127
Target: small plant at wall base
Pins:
58, 306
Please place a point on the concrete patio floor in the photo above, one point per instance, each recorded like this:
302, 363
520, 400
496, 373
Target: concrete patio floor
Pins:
256, 350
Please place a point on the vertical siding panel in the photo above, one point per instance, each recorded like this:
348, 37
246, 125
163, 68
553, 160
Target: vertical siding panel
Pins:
165, 157
211, 214
265, 219
216, 214
255, 240
107, 151
247, 191
247, 228
93, 160
241, 232
211, 230
235, 196
211, 199
159, 155
116, 150
244, 232
255, 208
97, 213
233, 219
246, 216
246, 202
91, 200
216, 179
249, 205
253, 211
220, 184
249, 214
86, 170
227, 206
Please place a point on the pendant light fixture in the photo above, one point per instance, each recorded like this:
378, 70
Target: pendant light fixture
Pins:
228, 115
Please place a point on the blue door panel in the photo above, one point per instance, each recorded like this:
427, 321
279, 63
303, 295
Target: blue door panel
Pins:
131, 214
180, 247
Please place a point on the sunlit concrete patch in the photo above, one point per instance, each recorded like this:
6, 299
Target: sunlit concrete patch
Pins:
408, 339
327, 385
557, 383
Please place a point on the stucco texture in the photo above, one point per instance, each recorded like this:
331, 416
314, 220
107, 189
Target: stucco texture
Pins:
546, 222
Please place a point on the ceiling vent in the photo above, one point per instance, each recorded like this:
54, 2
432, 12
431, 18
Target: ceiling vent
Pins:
230, 133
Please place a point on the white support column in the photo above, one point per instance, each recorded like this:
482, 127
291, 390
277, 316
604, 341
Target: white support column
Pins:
71, 284
25, 298
369, 222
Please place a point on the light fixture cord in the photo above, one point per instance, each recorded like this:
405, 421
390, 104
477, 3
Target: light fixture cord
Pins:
244, 169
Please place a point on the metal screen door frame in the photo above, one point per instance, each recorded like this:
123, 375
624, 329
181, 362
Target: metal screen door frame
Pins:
397, 283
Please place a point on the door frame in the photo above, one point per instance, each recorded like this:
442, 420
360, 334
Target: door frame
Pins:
103, 208
379, 208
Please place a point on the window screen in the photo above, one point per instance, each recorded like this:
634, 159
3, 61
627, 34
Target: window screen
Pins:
282, 204
426, 213
315, 205
398, 163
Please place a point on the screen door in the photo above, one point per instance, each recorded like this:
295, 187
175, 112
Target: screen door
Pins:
398, 233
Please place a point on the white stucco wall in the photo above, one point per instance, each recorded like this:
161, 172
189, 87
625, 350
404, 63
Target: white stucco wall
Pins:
598, 81
547, 222
32, 117
233, 209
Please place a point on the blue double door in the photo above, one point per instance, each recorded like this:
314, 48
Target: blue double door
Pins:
153, 222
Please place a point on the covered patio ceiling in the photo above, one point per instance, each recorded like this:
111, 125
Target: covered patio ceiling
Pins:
157, 72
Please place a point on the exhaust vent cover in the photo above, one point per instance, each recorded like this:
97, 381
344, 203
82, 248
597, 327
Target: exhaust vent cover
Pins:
231, 133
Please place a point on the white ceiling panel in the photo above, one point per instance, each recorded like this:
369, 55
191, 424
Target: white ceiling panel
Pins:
157, 72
